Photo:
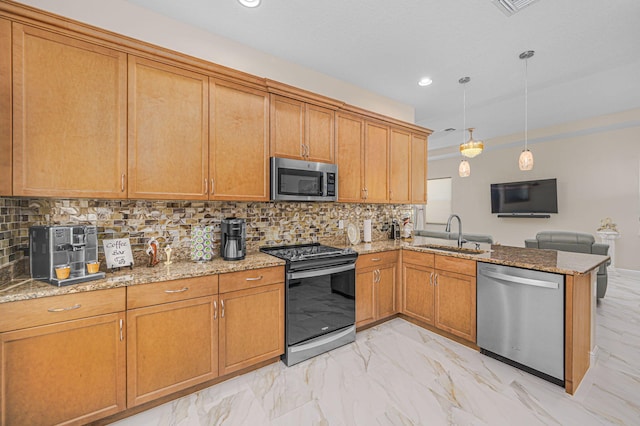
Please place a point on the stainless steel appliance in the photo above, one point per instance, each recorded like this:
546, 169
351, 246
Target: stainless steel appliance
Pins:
521, 319
64, 255
319, 299
234, 238
297, 180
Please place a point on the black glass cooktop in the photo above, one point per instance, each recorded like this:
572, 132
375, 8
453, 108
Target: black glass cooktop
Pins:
300, 252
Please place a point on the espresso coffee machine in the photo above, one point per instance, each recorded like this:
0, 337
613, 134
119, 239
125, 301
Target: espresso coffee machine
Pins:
64, 255
233, 240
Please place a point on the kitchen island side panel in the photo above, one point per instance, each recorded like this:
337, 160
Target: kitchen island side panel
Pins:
577, 330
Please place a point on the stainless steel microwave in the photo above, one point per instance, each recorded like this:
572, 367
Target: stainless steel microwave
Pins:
297, 180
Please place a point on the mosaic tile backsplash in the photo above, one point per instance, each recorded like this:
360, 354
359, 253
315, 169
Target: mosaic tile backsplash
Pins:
170, 222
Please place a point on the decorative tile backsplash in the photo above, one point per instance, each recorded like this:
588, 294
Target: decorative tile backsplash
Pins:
170, 222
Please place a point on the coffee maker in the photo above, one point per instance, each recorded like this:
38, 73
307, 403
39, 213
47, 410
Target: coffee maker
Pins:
233, 241
64, 255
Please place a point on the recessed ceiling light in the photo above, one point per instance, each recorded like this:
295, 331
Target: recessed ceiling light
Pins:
249, 3
425, 81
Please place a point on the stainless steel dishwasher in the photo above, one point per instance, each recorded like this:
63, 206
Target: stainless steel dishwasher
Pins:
521, 319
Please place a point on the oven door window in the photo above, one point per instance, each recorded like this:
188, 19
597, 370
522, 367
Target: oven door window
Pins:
300, 182
320, 305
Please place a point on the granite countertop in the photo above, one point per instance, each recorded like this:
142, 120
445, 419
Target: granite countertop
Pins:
560, 262
27, 288
542, 260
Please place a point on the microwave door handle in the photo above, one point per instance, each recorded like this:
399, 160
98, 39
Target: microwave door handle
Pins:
320, 272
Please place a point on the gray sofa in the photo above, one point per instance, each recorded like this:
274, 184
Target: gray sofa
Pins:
574, 242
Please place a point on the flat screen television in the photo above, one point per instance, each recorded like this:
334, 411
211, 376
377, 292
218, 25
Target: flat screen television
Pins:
526, 197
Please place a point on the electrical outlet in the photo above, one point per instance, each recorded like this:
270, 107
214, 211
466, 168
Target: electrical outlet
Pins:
341, 224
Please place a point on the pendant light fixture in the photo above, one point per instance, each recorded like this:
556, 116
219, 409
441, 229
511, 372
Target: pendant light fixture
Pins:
470, 148
525, 162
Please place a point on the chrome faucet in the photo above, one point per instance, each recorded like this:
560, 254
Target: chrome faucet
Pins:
448, 228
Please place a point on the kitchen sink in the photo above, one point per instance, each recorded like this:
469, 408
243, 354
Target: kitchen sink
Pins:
463, 250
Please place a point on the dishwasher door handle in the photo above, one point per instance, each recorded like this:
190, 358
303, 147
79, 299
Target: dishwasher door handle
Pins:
520, 280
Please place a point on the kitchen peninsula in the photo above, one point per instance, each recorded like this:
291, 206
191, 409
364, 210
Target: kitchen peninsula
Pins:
126, 290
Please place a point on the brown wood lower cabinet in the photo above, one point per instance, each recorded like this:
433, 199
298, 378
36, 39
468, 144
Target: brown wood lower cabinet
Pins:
251, 326
376, 289
440, 291
190, 334
170, 347
70, 372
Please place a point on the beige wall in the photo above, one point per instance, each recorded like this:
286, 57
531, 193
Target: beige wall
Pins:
596, 162
131, 20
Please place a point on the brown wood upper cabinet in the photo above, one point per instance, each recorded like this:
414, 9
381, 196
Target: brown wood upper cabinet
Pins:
418, 169
168, 131
70, 115
400, 166
362, 157
239, 142
301, 130
5, 108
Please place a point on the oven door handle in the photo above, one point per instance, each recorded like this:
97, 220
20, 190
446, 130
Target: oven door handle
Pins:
324, 341
320, 272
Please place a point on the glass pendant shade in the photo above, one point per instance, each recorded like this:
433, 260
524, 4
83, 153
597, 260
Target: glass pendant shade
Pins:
464, 170
525, 162
471, 148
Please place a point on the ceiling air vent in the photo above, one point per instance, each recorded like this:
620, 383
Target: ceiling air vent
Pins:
510, 7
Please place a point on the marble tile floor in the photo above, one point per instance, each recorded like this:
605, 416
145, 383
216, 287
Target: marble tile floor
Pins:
400, 374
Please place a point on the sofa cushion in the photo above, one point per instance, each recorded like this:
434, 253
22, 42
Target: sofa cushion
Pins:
565, 241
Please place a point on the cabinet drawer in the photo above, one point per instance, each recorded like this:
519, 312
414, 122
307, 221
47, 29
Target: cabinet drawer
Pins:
171, 291
454, 264
251, 278
49, 310
377, 259
418, 258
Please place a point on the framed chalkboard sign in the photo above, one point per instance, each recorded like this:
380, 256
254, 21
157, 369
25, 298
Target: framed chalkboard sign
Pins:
118, 253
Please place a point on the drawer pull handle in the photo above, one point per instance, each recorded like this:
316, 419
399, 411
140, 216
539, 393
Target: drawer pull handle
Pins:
215, 310
68, 308
222, 308
254, 279
182, 290
376, 259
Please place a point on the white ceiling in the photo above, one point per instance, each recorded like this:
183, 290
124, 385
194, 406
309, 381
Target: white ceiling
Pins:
587, 59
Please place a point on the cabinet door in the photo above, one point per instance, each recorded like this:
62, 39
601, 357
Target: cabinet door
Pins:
418, 169
287, 127
170, 347
417, 292
73, 371
168, 132
319, 133
400, 167
70, 106
5, 108
350, 157
456, 304
251, 326
376, 163
365, 299
386, 292
239, 131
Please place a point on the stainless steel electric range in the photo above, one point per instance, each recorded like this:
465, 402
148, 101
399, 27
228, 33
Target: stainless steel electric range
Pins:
320, 299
